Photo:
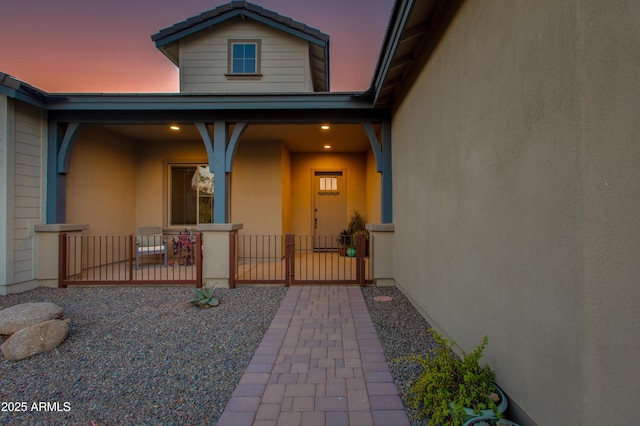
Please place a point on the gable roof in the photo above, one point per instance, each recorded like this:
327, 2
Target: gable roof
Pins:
166, 40
16, 89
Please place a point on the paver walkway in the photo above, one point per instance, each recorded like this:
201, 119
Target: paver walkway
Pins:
319, 363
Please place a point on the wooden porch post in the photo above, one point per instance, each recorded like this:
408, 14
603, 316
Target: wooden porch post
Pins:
382, 153
220, 187
216, 151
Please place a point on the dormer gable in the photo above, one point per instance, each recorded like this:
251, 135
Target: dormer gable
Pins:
242, 47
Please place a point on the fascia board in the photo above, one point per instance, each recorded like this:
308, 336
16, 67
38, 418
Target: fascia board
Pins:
222, 18
392, 39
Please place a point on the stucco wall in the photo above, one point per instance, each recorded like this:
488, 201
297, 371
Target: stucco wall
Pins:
257, 184
101, 184
286, 190
516, 199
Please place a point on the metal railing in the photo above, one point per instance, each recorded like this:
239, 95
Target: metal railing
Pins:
87, 260
298, 259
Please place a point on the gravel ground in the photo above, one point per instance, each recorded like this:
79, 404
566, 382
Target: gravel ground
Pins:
139, 355
143, 355
402, 331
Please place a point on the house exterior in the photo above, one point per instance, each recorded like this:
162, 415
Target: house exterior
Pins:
513, 207
254, 98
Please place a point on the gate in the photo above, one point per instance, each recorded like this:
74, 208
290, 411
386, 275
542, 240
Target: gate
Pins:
295, 259
99, 260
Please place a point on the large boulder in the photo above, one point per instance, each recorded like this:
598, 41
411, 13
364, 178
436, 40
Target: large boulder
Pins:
41, 337
21, 316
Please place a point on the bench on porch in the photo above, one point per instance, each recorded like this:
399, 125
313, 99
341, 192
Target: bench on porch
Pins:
150, 242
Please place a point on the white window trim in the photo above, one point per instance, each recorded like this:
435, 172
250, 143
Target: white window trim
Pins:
244, 76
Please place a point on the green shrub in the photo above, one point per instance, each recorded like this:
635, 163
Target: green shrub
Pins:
450, 383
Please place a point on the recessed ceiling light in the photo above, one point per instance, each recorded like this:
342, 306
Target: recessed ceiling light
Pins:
325, 127
176, 128
327, 147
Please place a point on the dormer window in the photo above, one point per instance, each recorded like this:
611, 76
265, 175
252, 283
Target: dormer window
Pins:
244, 58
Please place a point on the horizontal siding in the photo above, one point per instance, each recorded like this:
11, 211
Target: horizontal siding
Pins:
25, 180
276, 78
28, 160
275, 68
4, 105
22, 255
29, 171
284, 61
27, 149
27, 189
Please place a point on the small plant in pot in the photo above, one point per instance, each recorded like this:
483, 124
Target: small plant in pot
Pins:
344, 240
452, 389
357, 225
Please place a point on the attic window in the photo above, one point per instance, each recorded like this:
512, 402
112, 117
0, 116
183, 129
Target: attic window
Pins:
244, 58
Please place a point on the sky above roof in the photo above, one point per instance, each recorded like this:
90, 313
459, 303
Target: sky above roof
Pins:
105, 46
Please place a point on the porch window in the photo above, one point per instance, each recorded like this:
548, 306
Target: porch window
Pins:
191, 194
244, 58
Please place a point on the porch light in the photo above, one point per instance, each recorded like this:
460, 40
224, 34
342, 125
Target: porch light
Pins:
325, 127
174, 128
327, 147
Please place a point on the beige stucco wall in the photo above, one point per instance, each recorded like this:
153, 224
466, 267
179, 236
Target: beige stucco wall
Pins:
516, 199
257, 185
101, 184
286, 190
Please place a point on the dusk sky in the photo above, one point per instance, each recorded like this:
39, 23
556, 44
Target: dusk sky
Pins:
105, 45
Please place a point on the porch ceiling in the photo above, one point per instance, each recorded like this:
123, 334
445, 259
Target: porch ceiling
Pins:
296, 137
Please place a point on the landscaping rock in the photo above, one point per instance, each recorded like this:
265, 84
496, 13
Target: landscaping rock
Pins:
24, 315
41, 337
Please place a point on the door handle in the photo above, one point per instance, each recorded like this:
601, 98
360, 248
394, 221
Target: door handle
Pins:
315, 224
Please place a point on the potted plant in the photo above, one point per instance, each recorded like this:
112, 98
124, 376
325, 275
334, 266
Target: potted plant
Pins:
356, 226
344, 240
489, 421
452, 389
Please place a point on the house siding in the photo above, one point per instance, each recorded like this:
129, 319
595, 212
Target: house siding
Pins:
22, 129
516, 200
4, 157
284, 61
28, 186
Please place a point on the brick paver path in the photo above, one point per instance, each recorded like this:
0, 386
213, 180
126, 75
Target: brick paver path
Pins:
319, 363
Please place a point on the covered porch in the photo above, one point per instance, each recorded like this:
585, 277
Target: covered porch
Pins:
271, 162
